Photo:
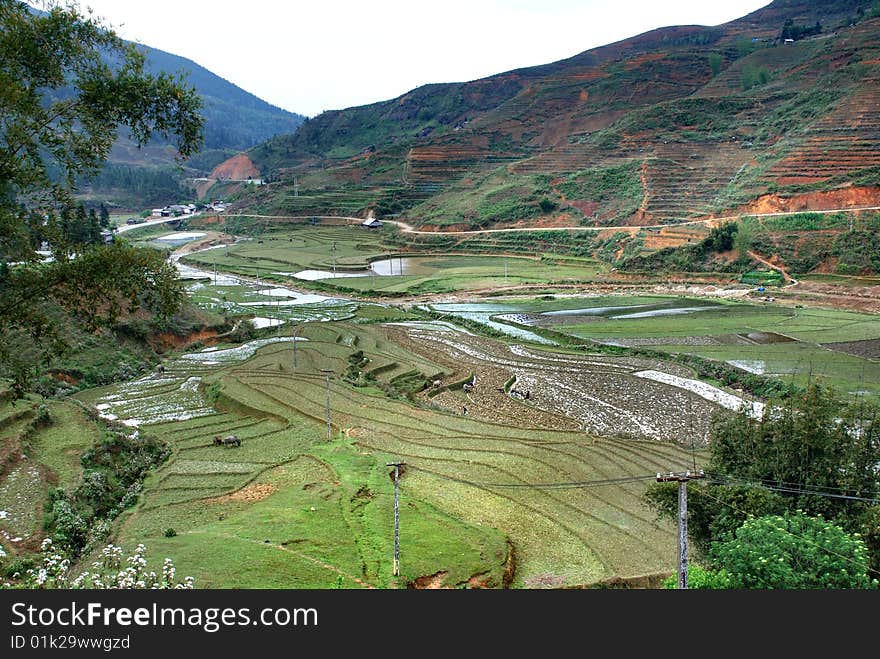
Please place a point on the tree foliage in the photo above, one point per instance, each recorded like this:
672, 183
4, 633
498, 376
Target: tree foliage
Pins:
814, 452
67, 86
793, 551
700, 578
816, 442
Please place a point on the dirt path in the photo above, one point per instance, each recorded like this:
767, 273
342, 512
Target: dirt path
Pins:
710, 221
785, 276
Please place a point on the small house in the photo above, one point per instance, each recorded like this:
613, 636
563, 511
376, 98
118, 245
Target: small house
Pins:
371, 223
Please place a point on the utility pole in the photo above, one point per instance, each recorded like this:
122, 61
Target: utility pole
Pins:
328, 372
397, 466
682, 480
295, 330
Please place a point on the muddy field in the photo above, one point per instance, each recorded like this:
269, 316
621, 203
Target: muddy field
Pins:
601, 395
869, 349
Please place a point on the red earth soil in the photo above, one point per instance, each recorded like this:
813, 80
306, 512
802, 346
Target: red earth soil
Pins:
238, 168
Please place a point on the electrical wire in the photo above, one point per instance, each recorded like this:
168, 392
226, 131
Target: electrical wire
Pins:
791, 489
767, 482
539, 486
717, 479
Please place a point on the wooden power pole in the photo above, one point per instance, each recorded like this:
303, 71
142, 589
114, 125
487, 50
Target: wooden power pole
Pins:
682, 479
397, 466
329, 436
328, 372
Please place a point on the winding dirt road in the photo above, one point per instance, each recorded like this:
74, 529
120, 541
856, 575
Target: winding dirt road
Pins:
408, 228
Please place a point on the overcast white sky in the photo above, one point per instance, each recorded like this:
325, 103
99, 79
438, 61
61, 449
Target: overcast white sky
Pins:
319, 55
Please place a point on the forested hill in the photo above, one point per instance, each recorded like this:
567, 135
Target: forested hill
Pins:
235, 118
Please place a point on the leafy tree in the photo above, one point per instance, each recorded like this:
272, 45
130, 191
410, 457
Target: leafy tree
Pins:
816, 441
813, 452
793, 551
714, 511
67, 85
720, 239
795, 32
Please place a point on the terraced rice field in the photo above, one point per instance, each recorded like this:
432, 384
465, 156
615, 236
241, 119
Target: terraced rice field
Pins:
525, 464
34, 458
513, 481
292, 254
835, 348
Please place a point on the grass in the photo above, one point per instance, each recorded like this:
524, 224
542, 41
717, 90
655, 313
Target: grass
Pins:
805, 324
36, 458
799, 363
59, 446
842, 280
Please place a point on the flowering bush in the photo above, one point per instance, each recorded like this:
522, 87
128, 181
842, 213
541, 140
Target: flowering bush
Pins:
111, 571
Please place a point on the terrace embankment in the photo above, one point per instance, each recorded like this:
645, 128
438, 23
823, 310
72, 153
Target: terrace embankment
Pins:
603, 395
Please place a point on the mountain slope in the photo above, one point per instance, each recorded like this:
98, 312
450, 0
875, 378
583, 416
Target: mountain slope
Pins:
673, 124
235, 120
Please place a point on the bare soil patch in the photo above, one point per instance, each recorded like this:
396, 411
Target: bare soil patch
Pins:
813, 201
238, 168
430, 581
249, 494
869, 349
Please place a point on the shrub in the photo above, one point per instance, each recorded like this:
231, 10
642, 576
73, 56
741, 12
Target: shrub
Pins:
793, 551
700, 578
112, 571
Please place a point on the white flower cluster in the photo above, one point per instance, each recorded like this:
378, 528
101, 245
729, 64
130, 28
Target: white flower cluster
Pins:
53, 572
113, 570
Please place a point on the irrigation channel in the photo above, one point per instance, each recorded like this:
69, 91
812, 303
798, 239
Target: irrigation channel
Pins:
487, 424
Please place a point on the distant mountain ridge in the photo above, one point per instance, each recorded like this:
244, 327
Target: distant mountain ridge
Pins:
235, 118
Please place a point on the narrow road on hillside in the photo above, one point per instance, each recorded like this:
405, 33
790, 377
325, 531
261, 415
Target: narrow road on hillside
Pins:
408, 228
122, 228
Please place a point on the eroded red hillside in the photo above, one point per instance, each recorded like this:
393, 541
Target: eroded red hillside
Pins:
238, 168
844, 198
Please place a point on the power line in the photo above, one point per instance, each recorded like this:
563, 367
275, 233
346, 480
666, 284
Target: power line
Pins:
790, 489
540, 486
712, 478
